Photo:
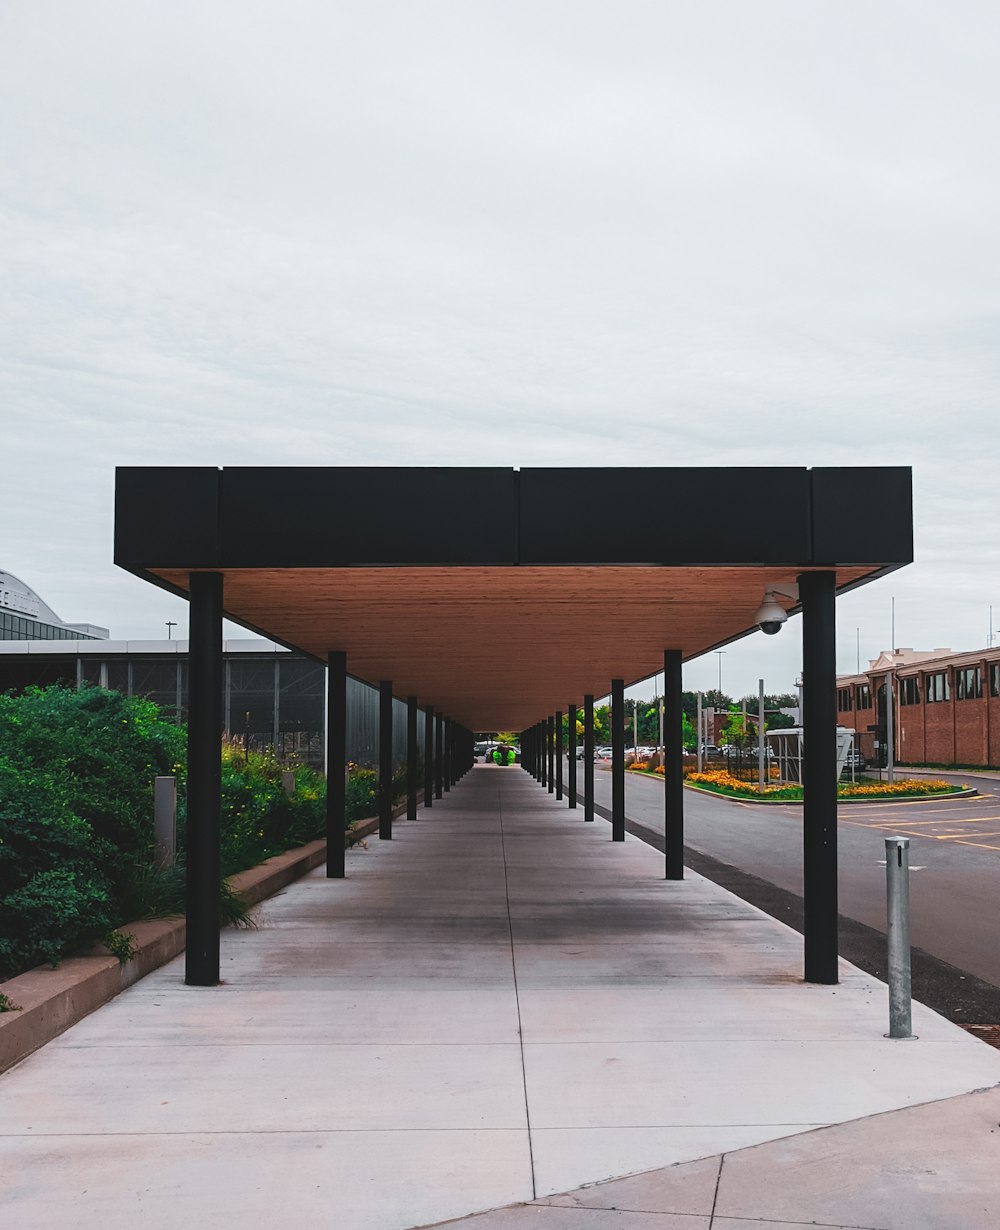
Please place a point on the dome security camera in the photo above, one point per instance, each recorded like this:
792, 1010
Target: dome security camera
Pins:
771, 615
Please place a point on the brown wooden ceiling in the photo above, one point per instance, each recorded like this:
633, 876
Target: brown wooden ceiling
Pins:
498, 648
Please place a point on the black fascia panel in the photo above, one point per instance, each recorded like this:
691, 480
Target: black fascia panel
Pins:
167, 516
862, 515
332, 517
665, 516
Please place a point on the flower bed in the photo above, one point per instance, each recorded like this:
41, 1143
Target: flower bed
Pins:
720, 782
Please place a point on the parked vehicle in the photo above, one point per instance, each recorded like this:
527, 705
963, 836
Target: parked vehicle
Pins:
855, 760
709, 749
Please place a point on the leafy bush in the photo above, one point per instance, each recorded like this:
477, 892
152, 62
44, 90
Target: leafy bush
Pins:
259, 818
54, 911
76, 818
76, 801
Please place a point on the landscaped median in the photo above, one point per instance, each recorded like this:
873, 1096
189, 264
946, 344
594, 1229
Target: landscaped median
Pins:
721, 782
47, 1000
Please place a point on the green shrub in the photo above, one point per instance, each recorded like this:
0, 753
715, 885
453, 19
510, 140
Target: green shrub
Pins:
52, 912
258, 818
76, 820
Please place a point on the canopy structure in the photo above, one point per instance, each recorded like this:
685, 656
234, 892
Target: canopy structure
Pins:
497, 599
489, 593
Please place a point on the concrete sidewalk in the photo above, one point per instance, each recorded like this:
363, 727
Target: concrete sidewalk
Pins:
496, 1007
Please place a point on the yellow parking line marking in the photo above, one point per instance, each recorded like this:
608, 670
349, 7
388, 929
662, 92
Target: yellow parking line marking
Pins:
978, 844
954, 820
950, 836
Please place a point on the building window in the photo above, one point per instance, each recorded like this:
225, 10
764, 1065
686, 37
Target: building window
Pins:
909, 690
843, 700
864, 696
937, 687
995, 678
968, 683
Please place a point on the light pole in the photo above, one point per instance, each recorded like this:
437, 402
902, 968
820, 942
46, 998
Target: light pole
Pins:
171, 623
720, 652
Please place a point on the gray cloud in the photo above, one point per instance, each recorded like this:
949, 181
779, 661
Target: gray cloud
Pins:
664, 234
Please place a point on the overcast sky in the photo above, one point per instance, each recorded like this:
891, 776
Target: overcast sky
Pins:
640, 233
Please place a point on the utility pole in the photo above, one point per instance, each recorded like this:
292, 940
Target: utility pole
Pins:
890, 750
700, 736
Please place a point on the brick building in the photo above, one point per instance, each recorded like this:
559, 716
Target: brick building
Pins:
946, 706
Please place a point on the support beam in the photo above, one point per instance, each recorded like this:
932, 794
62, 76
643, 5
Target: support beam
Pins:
550, 752
617, 759
204, 779
588, 758
429, 756
673, 764
819, 775
385, 760
543, 752
438, 756
336, 764
412, 758
448, 766
571, 723
559, 756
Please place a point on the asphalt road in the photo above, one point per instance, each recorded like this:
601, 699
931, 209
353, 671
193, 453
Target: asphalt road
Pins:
955, 876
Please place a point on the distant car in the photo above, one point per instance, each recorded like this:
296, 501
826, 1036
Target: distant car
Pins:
855, 760
709, 749
579, 751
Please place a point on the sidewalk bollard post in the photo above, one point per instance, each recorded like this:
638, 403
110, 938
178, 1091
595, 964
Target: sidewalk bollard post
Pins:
165, 821
288, 781
897, 902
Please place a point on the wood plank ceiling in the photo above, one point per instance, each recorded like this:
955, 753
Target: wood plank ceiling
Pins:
498, 648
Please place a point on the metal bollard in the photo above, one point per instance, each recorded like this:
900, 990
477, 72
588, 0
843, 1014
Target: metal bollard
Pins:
288, 781
165, 820
897, 902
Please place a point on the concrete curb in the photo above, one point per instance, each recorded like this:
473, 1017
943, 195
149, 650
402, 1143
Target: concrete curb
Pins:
51, 1000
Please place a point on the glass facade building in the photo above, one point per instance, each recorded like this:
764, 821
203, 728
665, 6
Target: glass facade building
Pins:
272, 698
15, 627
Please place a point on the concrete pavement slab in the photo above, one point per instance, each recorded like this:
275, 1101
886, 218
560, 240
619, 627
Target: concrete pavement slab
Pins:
932, 1167
218, 1181
252, 1088
683, 1189
499, 1004
564, 1158
540, 1217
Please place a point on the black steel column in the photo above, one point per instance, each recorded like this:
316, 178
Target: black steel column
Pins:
550, 753
336, 764
385, 760
448, 739
673, 764
429, 756
439, 756
571, 723
617, 759
819, 774
543, 734
412, 752
201, 965
559, 756
588, 758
